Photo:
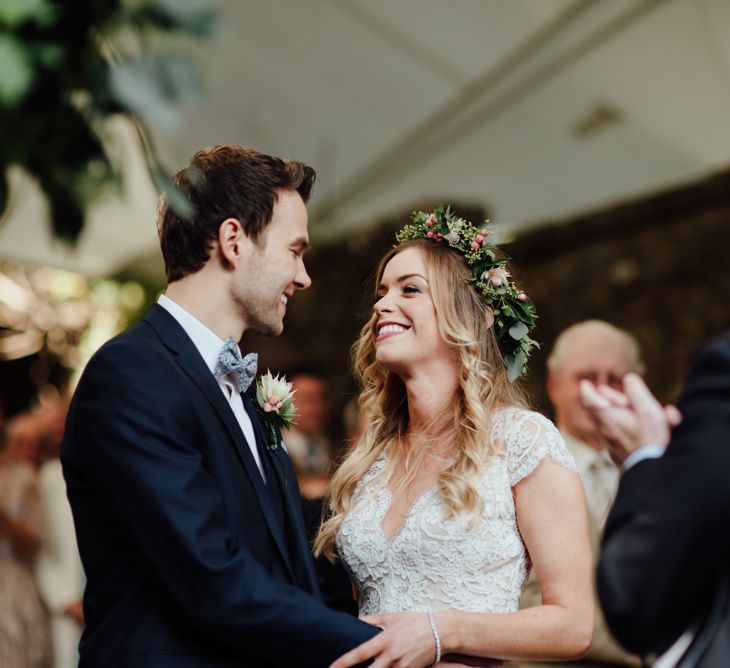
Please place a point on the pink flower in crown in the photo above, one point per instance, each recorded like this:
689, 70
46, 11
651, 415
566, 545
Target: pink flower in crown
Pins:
497, 277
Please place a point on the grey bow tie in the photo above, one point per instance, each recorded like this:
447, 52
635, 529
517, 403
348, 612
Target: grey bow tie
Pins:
230, 362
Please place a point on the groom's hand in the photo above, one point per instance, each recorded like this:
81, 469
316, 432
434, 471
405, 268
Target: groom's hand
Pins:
406, 640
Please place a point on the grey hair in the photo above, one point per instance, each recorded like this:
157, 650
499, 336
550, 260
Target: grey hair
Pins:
562, 343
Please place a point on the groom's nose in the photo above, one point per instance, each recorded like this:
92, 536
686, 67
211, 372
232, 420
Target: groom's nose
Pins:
302, 279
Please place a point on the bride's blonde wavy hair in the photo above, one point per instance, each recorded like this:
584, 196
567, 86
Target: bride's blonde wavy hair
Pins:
465, 323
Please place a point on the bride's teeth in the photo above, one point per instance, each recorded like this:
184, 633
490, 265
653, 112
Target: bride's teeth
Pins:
284, 299
391, 329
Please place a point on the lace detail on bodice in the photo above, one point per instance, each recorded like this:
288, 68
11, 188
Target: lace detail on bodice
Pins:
438, 563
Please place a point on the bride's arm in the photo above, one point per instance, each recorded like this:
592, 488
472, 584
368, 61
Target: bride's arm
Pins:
552, 518
551, 514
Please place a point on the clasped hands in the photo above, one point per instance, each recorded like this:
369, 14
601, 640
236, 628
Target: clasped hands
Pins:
630, 419
406, 641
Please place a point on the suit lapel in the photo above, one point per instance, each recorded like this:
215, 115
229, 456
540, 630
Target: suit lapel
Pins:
303, 561
262, 433
282, 468
190, 361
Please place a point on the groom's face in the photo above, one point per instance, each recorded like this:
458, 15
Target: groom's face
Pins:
274, 269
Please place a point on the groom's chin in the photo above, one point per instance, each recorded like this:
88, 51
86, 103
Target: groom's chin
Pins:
271, 329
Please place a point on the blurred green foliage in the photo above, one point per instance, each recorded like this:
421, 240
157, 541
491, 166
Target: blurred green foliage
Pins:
66, 65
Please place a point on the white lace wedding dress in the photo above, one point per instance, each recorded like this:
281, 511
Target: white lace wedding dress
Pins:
436, 563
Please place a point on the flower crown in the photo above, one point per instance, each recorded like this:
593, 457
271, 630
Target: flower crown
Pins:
514, 313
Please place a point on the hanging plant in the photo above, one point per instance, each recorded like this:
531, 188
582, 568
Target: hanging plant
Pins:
69, 65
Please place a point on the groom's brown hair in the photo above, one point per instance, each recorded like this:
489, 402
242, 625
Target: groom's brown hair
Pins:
224, 182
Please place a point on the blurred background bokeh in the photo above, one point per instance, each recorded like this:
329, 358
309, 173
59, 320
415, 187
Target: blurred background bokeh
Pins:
594, 134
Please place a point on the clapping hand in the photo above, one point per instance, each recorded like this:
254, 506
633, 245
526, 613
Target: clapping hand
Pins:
630, 419
75, 611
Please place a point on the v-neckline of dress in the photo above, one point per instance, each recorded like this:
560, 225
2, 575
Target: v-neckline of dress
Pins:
388, 502
406, 518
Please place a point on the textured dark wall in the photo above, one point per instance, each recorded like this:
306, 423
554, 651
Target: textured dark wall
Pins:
657, 267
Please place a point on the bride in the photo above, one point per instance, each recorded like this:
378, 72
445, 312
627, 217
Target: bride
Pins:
455, 488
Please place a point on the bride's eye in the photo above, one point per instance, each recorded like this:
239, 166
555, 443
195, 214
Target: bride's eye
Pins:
410, 289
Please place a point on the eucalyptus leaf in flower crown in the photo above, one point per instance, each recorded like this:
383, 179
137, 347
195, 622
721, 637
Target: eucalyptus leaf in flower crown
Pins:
514, 312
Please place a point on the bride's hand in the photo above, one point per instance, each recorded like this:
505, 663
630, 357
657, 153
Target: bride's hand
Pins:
406, 641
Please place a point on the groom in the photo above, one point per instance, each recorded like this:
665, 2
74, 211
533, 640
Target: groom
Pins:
188, 520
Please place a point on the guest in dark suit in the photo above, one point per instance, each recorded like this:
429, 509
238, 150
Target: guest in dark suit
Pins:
186, 507
665, 559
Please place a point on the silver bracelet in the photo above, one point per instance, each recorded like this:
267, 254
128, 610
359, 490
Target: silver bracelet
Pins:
436, 636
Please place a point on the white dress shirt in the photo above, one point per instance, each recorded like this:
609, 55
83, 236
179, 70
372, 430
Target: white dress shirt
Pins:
209, 345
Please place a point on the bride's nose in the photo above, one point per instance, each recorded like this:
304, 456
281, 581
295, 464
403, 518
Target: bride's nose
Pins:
383, 305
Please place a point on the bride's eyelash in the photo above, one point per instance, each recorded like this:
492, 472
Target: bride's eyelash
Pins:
406, 289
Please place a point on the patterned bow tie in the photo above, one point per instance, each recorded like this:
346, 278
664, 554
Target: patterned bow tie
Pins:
230, 362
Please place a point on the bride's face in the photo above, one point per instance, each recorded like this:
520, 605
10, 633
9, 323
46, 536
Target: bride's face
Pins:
405, 325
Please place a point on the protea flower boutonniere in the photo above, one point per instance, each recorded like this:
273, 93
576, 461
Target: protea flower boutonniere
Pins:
276, 403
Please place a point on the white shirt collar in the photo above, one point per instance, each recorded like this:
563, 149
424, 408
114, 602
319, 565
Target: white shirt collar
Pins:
207, 343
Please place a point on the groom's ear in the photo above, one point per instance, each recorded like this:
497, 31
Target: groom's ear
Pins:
231, 241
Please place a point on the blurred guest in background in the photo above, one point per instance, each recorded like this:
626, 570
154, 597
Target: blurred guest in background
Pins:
24, 634
58, 570
664, 570
354, 421
307, 441
597, 351
310, 450
23, 440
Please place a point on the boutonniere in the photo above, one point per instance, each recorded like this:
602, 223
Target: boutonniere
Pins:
276, 403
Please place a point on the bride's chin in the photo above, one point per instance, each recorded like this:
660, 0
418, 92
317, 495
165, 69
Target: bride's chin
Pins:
390, 363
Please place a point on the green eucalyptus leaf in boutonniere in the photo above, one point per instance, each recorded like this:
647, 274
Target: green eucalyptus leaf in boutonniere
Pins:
275, 399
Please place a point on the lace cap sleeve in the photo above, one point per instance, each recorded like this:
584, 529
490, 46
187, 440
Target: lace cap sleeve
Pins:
529, 438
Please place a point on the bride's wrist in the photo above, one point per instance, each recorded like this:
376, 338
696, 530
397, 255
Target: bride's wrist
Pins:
449, 631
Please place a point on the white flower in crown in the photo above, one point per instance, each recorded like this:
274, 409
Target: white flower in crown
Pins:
275, 398
497, 277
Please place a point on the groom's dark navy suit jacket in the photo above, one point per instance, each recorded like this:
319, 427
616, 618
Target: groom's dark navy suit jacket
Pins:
191, 559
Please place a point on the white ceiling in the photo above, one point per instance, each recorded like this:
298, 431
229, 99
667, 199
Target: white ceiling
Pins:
533, 109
